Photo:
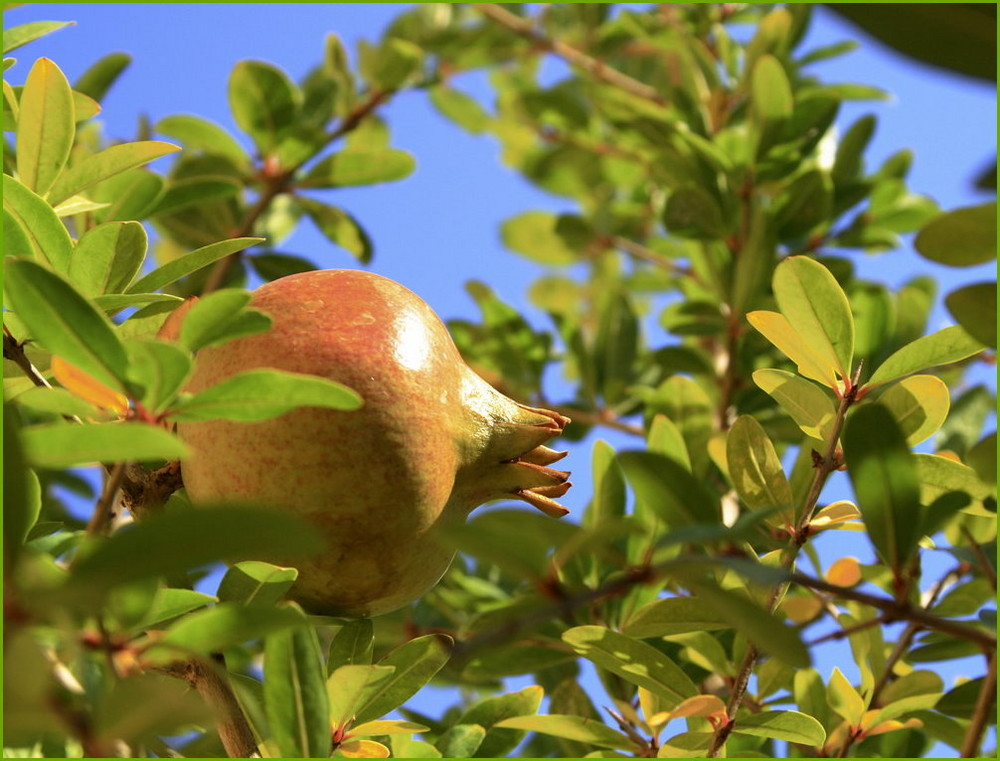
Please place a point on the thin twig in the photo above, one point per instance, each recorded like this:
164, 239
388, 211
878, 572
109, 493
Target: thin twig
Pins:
604, 418
281, 182
14, 351
598, 69
899, 610
100, 520
824, 468
985, 709
984, 562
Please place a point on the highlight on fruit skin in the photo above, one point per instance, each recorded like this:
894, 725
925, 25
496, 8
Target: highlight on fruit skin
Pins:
431, 442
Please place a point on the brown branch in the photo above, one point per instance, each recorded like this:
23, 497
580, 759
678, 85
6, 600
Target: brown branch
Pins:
984, 562
598, 69
824, 468
100, 520
14, 351
906, 638
604, 418
281, 182
900, 610
985, 709
211, 682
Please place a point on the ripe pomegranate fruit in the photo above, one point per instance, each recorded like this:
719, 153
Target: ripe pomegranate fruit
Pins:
431, 442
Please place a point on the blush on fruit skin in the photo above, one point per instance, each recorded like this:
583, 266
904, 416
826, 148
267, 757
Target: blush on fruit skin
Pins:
431, 442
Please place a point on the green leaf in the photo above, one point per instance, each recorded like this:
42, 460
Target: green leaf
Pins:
104, 165
961, 238
107, 257
138, 709
45, 126
97, 80
460, 108
32, 228
414, 664
263, 394
777, 329
219, 317
264, 102
673, 615
668, 489
157, 370
634, 661
64, 445
271, 266
811, 299
974, 307
180, 540
754, 467
339, 227
253, 582
58, 401
546, 238
807, 404
941, 348
884, 475
461, 741
664, 437
806, 203
692, 212
771, 100
222, 626
64, 322
130, 195
489, 712
919, 404
351, 167
518, 542
16, 36
939, 475
615, 346
389, 66
352, 645
350, 687
169, 604
195, 191
22, 494
760, 627
790, 726
192, 262
295, 693
198, 134
608, 502
571, 728
847, 163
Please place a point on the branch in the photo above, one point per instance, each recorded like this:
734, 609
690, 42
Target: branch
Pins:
104, 509
824, 468
280, 182
604, 418
900, 611
211, 682
983, 712
598, 69
14, 351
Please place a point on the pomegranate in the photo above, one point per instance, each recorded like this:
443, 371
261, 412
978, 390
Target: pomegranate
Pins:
431, 442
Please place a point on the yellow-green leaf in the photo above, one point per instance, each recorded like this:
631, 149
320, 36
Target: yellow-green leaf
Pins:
941, 348
754, 467
45, 127
104, 164
809, 406
778, 330
919, 404
812, 300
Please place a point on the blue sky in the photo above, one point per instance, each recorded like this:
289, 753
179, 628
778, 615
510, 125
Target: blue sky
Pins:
440, 227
